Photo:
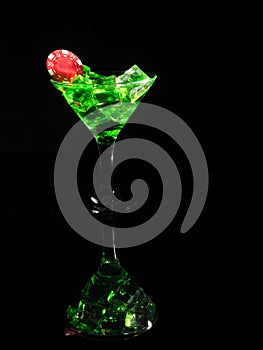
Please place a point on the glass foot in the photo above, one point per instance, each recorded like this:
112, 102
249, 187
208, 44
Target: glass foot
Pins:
111, 305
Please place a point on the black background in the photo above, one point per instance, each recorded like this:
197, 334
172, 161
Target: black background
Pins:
45, 262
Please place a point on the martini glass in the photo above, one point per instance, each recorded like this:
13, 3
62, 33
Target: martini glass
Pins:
111, 304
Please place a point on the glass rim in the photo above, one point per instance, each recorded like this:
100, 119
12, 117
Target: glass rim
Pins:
151, 77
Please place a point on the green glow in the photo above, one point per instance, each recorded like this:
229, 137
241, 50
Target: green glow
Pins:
129, 319
111, 305
100, 100
111, 295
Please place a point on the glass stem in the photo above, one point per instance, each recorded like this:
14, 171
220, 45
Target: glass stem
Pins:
106, 164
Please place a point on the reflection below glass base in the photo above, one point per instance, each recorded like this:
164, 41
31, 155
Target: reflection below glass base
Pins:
111, 305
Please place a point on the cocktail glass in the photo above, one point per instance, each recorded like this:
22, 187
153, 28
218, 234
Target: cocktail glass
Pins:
111, 304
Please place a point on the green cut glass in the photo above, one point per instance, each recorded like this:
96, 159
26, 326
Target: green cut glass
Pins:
111, 304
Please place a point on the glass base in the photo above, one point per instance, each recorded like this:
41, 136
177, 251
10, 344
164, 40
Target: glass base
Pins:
111, 305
